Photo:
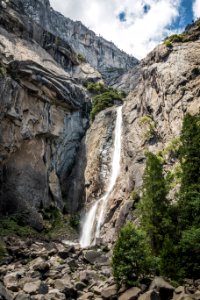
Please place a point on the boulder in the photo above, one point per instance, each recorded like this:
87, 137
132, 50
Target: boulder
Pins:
79, 286
150, 295
164, 288
94, 257
179, 290
88, 276
32, 287
4, 293
23, 296
61, 284
11, 281
131, 294
55, 294
197, 295
109, 292
86, 296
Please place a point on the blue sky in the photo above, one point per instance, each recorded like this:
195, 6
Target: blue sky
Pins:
135, 26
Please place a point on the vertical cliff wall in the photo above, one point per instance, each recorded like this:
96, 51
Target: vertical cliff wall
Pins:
153, 112
99, 53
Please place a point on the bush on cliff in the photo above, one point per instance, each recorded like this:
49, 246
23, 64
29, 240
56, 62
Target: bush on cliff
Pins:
104, 101
131, 256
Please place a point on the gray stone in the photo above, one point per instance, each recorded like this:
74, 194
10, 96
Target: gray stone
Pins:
109, 292
95, 257
179, 290
32, 287
150, 295
4, 293
79, 286
23, 296
131, 294
164, 288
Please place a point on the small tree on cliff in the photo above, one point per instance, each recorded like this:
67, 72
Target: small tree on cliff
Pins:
154, 205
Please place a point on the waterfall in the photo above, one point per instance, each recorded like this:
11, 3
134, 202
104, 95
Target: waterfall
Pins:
95, 217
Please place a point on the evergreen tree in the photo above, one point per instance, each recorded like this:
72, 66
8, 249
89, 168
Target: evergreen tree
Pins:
131, 256
189, 202
189, 198
154, 205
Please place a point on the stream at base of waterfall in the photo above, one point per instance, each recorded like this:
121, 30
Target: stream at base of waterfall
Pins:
94, 219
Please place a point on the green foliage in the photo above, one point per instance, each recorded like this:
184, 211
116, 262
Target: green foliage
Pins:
96, 88
190, 252
172, 148
81, 58
154, 205
189, 203
115, 70
131, 256
103, 101
173, 177
10, 226
134, 196
3, 251
176, 38
57, 41
180, 255
168, 44
149, 126
74, 221
3, 70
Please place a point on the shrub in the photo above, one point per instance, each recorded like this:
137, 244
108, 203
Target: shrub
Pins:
3, 251
10, 226
131, 256
176, 38
81, 58
103, 101
74, 221
96, 88
168, 43
149, 125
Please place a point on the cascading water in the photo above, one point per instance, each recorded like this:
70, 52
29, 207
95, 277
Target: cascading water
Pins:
95, 217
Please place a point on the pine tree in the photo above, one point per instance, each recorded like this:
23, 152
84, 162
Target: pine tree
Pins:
189, 202
189, 198
131, 256
154, 205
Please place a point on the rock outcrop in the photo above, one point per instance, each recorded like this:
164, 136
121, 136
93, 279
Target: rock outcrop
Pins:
102, 55
44, 115
45, 58
153, 112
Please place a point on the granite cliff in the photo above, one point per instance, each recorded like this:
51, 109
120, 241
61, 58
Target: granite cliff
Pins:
102, 55
44, 106
153, 112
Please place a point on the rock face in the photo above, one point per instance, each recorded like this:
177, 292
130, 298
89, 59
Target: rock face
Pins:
43, 115
153, 112
44, 107
101, 54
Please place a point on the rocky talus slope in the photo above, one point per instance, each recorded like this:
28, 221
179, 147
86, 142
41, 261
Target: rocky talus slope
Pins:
168, 88
54, 271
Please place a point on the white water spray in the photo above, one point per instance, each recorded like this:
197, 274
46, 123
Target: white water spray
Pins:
95, 217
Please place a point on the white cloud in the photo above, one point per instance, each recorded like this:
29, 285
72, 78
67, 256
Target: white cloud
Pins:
138, 35
196, 9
